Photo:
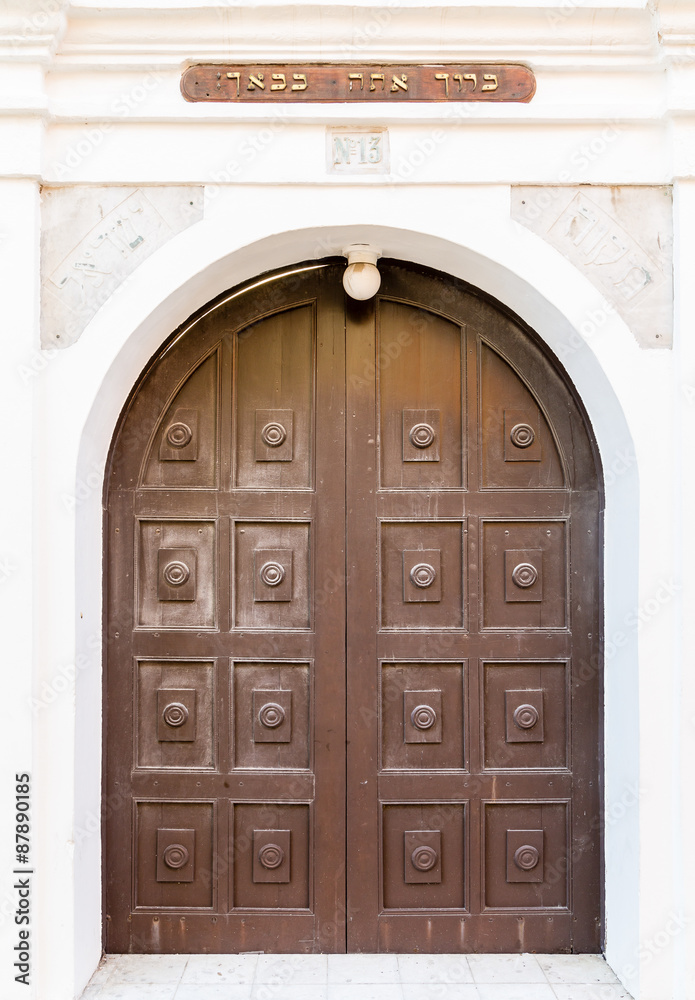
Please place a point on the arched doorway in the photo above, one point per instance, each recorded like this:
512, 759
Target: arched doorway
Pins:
352, 699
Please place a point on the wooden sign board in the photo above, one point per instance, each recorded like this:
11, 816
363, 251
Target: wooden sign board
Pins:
347, 82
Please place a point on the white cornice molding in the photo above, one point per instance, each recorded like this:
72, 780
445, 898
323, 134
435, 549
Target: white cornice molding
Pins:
31, 30
166, 37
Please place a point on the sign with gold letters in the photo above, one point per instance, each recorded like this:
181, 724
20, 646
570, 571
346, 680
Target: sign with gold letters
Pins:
347, 82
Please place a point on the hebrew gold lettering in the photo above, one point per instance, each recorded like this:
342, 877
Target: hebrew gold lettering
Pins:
376, 76
256, 81
301, 83
356, 76
445, 78
492, 85
281, 82
401, 84
237, 77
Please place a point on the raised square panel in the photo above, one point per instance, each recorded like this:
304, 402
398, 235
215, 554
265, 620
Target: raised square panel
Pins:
524, 855
255, 826
423, 856
524, 716
422, 716
424, 865
261, 693
421, 568
271, 569
176, 717
422, 575
421, 435
523, 575
272, 580
436, 686
180, 437
167, 690
272, 716
526, 860
175, 855
524, 689
176, 574
177, 569
274, 435
271, 856
522, 442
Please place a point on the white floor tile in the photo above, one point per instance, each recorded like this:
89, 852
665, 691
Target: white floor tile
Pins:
506, 969
590, 991
159, 969
293, 970
268, 991
364, 991
434, 969
137, 991
91, 993
216, 969
515, 991
576, 969
222, 991
440, 991
363, 969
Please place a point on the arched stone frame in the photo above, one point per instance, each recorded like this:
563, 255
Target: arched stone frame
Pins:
92, 381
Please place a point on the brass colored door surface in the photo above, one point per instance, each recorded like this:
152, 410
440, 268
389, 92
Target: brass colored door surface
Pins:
352, 684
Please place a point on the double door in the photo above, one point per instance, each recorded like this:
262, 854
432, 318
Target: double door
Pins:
352, 673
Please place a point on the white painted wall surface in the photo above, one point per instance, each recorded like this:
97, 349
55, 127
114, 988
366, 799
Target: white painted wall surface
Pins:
89, 96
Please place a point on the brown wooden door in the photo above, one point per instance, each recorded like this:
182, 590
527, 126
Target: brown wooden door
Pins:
352, 686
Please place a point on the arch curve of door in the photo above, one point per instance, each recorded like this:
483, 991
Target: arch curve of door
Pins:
352, 574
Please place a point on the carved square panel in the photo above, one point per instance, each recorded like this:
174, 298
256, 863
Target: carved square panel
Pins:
180, 437
423, 856
522, 442
537, 694
422, 568
173, 860
272, 716
421, 691
177, 569
176, 574
259, 828
524, 716
175, 855
523, 575
271, 575
422, 716
271, 708
176, 718
274, 435
422, 575
421, 435
524, 855
272, 579
526, 859
271, 856
182, 692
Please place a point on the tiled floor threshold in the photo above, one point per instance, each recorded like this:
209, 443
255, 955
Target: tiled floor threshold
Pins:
354, 977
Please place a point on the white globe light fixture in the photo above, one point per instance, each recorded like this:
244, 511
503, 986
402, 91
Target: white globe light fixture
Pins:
361, 279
